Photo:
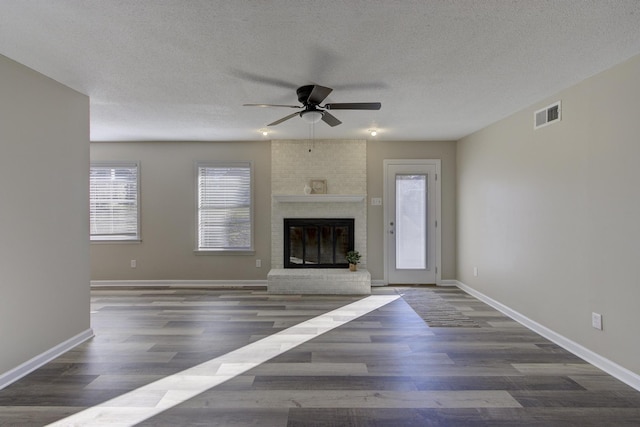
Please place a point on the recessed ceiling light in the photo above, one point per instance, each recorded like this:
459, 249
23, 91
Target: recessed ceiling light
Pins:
264, 132
373, 132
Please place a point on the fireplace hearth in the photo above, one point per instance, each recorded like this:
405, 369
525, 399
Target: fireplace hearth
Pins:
317, 242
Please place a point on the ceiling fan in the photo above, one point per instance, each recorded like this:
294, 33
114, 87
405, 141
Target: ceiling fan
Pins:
310, 96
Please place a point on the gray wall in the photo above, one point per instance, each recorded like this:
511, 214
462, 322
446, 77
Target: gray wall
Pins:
551, 217
377, 151
44, 238
168, 209
168, 214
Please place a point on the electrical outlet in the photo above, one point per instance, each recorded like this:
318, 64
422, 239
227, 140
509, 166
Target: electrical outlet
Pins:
134, 264
475, 271
376, 201
258, 263
596, 320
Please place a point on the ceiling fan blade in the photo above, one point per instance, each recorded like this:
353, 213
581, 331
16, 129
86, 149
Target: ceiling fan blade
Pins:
330, 119
290, 116
318, 94
353, 106
270, 105
257, 78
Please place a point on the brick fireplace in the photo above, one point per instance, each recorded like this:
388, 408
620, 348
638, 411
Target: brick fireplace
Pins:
343, 164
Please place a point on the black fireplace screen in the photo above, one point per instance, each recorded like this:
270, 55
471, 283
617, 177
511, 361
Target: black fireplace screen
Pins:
317, 243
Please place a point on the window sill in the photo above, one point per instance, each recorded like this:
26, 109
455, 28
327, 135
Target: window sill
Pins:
116, 241
222, 252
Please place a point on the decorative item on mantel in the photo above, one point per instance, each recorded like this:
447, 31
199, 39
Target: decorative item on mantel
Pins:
353, 258
318, 186
307, 189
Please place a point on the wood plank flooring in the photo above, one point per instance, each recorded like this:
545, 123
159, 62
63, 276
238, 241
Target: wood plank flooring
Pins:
472, 367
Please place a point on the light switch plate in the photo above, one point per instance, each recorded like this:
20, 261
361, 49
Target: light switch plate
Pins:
596, 320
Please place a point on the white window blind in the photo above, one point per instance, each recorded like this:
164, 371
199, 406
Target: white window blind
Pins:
224, 207
113, 200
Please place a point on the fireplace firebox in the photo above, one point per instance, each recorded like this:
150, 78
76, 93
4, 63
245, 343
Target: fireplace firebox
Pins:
317, 242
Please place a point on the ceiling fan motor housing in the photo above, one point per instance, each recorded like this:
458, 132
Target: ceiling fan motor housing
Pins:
303, 93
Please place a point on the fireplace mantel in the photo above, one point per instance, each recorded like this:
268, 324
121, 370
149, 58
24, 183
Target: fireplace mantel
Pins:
319, 198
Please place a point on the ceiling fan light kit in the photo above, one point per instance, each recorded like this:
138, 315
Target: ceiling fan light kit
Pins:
311, 116
310, 96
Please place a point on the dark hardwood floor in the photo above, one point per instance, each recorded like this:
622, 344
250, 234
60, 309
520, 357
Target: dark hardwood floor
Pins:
432, 357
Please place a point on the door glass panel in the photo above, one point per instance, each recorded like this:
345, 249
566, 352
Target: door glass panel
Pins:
326, 244
342, 244
311, 245
411, 221
296, 254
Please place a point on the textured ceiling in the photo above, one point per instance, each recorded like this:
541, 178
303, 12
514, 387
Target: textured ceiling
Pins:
181, 70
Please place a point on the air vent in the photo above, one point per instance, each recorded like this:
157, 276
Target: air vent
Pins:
547, 115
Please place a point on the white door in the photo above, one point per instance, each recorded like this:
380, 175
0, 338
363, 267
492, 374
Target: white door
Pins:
411, 221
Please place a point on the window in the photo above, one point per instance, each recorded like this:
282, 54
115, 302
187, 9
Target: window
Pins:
225, 212
114, 201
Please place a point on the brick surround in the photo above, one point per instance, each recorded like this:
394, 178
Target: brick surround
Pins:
342, 163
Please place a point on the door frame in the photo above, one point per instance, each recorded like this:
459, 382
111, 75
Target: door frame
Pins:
438, 212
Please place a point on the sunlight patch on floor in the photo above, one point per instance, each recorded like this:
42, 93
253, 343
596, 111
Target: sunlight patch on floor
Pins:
149, 400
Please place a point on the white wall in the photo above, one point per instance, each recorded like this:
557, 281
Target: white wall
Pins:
44, 237
551, 217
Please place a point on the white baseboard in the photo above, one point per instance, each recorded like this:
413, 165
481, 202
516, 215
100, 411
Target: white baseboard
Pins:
179, 283
31, 365
447, 282
610, 367
380, 282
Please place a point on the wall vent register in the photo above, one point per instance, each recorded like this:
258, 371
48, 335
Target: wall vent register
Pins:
547, 115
